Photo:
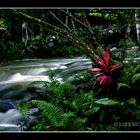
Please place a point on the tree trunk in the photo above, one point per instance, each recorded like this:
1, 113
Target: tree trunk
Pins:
137, 26
25, 35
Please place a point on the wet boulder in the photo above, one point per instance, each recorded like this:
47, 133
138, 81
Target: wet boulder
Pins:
5, 105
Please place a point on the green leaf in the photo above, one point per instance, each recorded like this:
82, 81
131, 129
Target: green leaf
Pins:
106, 101
91, 111
131, 101
136, 78
137, 69
72, 104
55, 115
123, 86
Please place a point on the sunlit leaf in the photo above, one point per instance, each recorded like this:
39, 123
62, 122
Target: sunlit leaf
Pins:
91, 111
106, 101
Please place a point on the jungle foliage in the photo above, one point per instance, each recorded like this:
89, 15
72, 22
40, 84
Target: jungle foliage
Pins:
43, 33
79, 106
87, 103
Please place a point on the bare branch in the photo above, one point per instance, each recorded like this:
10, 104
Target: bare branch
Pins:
85, 25
90, 29
78, 41
74, 18
59, 20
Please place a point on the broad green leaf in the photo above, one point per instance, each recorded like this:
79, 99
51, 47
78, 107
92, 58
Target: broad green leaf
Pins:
123, 86
136, 78
106, 101
91, 111
131, 101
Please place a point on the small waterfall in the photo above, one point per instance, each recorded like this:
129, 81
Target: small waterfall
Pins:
24, 78
9, 120
11, 116
17, 75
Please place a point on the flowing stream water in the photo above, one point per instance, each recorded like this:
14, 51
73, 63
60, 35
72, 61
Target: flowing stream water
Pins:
15, 77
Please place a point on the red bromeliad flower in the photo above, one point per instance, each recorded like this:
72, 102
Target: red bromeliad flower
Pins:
104, 70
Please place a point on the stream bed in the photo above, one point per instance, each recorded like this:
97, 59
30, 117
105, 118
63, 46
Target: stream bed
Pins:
15, 77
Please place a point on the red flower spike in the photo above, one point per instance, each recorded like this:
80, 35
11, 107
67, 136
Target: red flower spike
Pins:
106, 56
114, 67
98, 74
95, 69
99, 78
105, 70
100, 62
103, 80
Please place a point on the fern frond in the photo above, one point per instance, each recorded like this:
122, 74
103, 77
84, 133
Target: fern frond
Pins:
53, 72
55, 115
61, 89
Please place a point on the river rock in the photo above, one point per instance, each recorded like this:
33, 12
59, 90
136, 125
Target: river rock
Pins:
15, 92
5, 105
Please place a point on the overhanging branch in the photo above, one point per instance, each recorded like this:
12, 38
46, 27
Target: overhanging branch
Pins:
78, 41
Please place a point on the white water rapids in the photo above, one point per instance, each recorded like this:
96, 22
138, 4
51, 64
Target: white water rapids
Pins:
16, 75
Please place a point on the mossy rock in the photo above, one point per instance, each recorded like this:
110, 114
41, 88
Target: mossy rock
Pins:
136, 79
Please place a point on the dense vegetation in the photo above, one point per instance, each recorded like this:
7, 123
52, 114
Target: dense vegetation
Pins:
47, 33
104, 97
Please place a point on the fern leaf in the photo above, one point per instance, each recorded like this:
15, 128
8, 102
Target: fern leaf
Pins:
55, 115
